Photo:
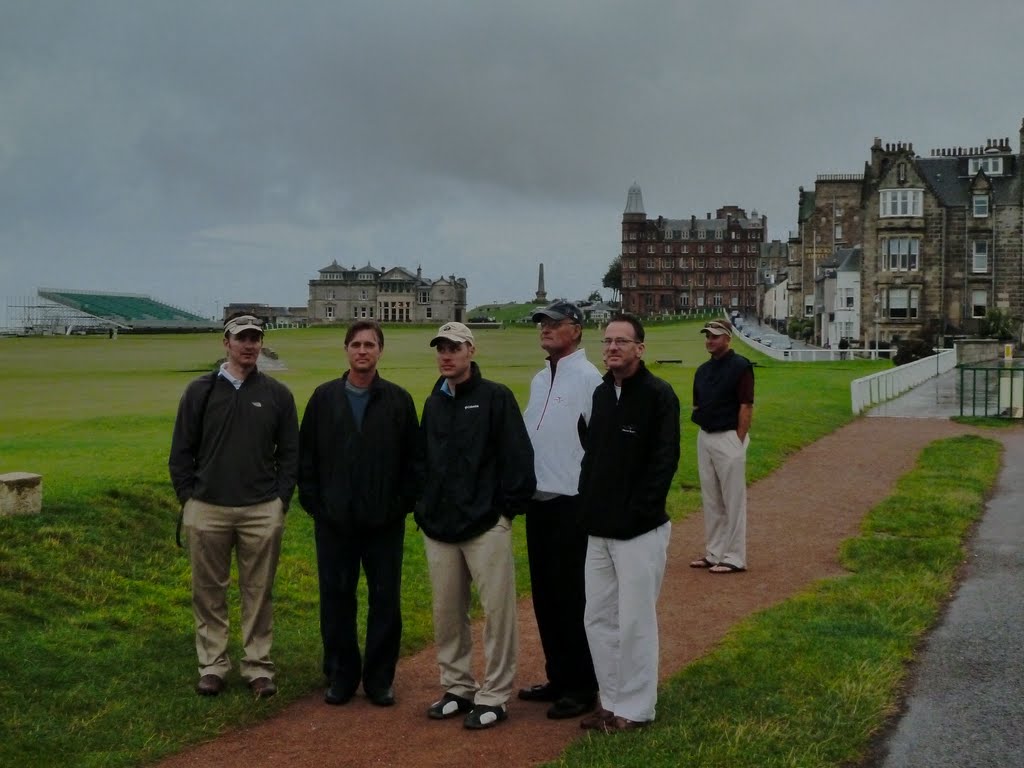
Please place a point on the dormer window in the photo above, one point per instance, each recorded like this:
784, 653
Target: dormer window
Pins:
980, 206
992, 166
900, 202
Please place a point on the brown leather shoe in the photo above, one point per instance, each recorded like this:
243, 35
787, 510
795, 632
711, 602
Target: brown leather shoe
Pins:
209, 685
620, 724
262, 687
595, 721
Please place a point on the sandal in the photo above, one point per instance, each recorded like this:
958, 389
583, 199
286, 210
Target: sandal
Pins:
702, 563
725, 568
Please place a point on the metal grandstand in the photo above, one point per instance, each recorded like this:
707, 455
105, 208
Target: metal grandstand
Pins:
70, 311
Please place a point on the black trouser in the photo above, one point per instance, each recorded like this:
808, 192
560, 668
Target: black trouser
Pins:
339, 555
557, 547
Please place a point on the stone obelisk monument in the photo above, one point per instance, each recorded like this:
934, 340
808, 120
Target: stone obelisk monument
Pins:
542, 296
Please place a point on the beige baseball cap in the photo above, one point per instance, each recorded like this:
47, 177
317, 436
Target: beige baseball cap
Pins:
454, 332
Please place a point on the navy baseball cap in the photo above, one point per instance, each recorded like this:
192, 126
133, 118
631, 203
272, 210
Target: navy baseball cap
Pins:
560, 310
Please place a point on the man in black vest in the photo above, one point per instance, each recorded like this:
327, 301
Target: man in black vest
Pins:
723, 406
357, 479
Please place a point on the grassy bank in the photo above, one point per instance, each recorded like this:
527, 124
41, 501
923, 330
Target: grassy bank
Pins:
98, 662
809, 682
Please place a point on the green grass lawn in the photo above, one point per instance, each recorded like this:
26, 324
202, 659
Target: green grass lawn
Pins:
98, 661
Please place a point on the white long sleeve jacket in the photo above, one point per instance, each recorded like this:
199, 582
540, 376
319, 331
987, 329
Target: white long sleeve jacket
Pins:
552, 418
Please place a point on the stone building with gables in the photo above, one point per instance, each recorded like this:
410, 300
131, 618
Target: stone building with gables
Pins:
389, 295
673, 266
941, 240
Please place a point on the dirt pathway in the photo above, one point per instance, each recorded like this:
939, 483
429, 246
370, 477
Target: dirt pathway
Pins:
797, 518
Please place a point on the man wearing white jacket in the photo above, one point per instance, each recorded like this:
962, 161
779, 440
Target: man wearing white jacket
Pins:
556, 417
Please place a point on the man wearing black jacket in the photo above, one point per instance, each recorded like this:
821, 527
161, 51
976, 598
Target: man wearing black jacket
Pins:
357, 479
631, 451
478, 474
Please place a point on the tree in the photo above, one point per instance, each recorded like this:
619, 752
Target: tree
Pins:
595, 297
997, 324
613, 277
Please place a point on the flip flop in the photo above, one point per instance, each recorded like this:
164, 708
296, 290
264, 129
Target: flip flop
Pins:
702, 563
725, 568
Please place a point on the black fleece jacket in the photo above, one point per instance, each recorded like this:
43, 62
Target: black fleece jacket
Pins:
351, 478
631, 452
477, 460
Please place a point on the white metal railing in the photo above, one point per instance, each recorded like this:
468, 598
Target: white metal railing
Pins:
879, 387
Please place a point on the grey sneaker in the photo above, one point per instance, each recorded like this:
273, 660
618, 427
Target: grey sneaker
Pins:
484, 716
449, 705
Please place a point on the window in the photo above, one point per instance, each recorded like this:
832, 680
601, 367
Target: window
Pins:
668, 249
364, 295
902, 303
992, 166
632, 249
979, 301
809, 305
838, 233
718, 249
700, 263
735, 249
735, 278
430, 312
980, 206
716, 300
650, 249
701, 234
366, 276
979, 262
632, 235
700, 301
899, 254
735, 300
684, 263
901, 173
900, 202
751, 248
700, 278
668, 278
700, 249
849, 298
685, 249
649, 263
684, 300
330, 311
719, 234
631, 264
422, 296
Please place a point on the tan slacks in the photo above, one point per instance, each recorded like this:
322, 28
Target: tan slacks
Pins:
487, 561
254, 532
722, 465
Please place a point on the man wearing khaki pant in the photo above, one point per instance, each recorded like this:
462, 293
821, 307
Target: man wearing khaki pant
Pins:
233, 463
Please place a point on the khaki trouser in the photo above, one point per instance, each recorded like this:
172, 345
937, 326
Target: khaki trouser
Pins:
487, 561
722, 466
255, 532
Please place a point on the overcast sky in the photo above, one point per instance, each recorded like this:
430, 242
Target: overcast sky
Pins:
208, 152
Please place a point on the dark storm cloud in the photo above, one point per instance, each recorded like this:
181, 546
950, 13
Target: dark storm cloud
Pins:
142, 143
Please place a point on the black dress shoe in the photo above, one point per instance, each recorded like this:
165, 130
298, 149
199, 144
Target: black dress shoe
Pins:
385, 698
542, 692
209, 685
572, 706
337, 695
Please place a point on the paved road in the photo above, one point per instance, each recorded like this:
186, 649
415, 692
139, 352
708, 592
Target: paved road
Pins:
966, 702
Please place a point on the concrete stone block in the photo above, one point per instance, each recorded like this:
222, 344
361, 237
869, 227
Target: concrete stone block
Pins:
21, 493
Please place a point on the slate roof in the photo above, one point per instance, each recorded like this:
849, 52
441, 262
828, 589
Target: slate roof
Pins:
947, 177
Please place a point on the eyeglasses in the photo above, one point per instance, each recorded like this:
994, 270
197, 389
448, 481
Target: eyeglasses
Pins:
617, 342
